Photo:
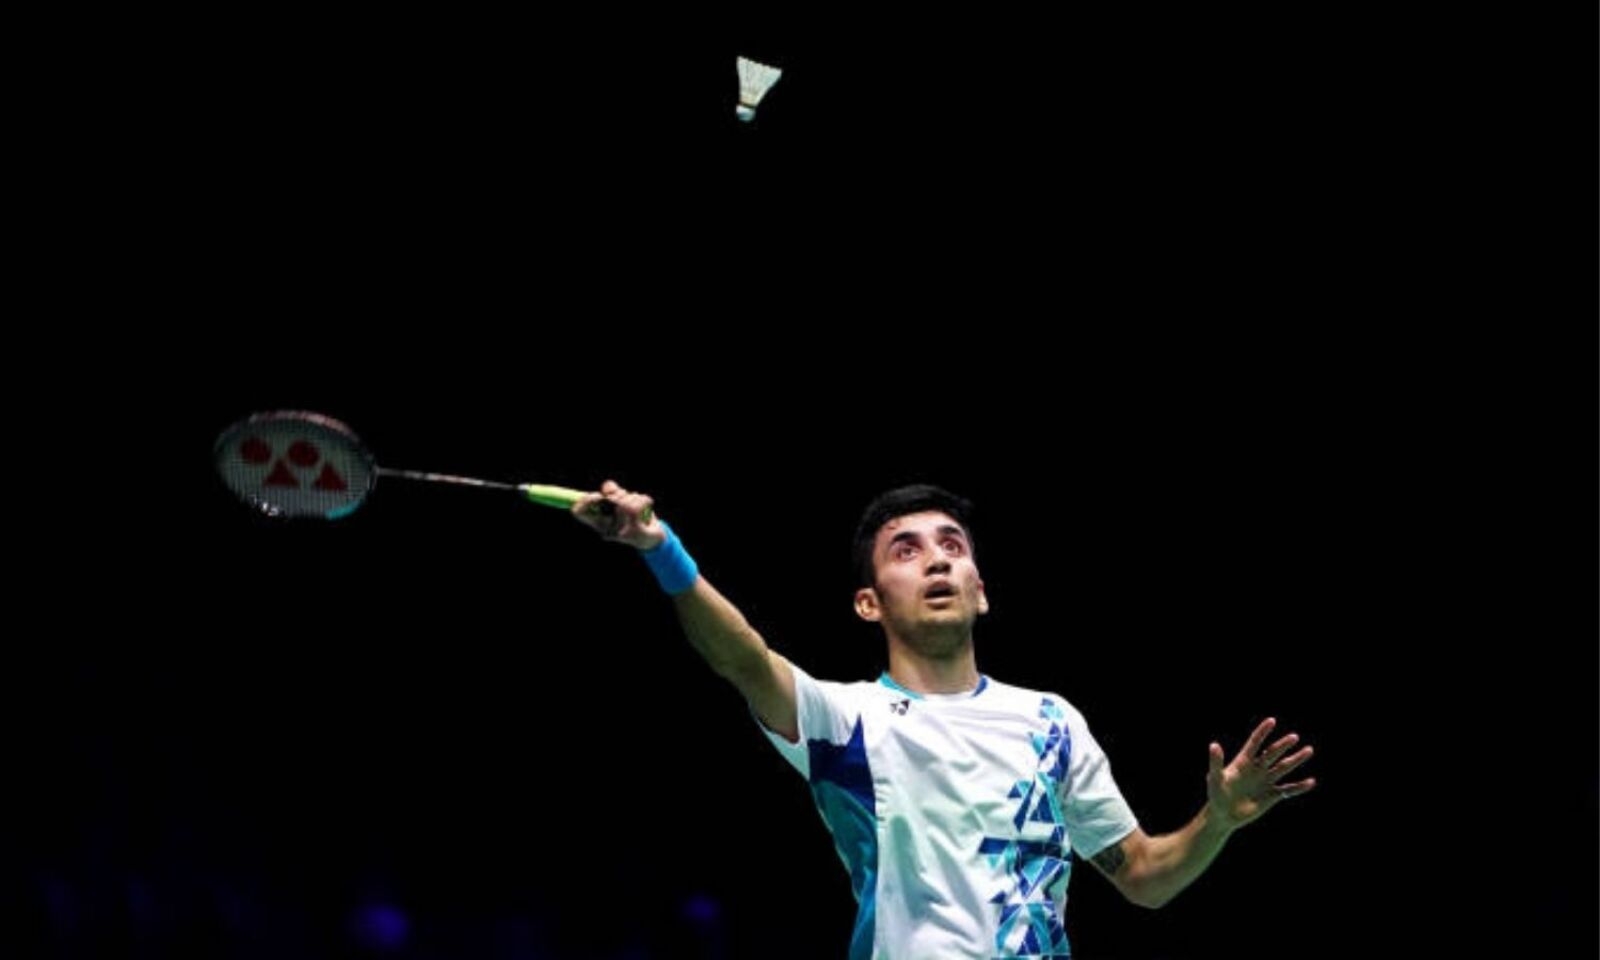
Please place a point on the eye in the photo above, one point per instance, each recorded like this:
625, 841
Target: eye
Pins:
955, 547
903, 550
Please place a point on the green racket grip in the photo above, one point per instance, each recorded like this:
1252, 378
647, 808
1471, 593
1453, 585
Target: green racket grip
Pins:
565, 497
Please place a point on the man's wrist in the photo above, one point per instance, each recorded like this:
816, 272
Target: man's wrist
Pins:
674, 569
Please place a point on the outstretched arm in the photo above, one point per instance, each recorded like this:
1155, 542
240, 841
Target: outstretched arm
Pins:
714, 626
1150, 871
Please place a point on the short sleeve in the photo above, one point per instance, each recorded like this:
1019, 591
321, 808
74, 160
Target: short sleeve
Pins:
828, 712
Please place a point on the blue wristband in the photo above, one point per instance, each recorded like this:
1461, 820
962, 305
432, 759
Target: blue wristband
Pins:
675, 570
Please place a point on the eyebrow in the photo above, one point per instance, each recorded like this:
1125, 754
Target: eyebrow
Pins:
947, 528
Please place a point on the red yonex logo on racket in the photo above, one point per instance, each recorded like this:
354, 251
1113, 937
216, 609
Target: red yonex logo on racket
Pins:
301, 457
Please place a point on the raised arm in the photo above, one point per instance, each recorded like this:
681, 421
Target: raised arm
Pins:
714, 626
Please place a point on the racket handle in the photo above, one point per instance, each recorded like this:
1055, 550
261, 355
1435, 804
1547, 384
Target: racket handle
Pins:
565, 497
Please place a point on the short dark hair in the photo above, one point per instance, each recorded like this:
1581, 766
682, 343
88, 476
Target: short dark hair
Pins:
916, 498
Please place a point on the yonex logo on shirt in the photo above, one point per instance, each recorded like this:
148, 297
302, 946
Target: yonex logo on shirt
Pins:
900, 706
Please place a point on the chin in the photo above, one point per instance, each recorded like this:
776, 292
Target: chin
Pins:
940, 643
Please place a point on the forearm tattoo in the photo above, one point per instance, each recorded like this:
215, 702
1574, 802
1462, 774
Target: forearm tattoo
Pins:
1110, 859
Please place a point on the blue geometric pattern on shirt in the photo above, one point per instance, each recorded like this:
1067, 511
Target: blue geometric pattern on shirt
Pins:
841, 785
844, 765
1035, 870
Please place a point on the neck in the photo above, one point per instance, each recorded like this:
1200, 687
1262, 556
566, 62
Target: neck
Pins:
918, 672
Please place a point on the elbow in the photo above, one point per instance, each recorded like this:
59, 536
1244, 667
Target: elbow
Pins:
1142, 894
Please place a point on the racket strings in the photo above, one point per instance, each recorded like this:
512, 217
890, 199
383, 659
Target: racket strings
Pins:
295, 466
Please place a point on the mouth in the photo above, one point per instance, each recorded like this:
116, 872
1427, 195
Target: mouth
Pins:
942, 590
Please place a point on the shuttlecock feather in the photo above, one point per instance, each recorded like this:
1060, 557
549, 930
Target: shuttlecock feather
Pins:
755, 79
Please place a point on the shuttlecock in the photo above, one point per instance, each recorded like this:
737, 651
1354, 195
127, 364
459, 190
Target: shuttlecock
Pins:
755, 79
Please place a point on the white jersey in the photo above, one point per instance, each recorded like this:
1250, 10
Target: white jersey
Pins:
956, 815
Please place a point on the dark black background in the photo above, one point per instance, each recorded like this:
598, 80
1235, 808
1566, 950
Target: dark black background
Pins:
1162, 293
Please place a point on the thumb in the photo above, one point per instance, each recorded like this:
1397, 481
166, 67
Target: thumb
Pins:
1214, 761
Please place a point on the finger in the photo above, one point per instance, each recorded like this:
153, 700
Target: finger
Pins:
589, 508
1214, 760
1287, 790
1279, 749
1300, 756
615, 496
606, 509
1259, 735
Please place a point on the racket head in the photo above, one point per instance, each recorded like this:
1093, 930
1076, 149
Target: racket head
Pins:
294, 463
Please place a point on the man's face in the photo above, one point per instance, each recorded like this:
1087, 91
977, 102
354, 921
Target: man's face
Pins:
925, 581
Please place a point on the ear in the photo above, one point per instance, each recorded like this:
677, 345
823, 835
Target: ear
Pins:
867, 607
983, 600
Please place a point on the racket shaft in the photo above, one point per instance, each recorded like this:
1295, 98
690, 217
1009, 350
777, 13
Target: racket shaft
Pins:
445, 478
542, 493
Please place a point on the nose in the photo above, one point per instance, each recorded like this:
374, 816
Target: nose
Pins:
938, 563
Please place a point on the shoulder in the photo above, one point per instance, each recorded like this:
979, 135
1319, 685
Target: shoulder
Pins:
842, 692
1049, 703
